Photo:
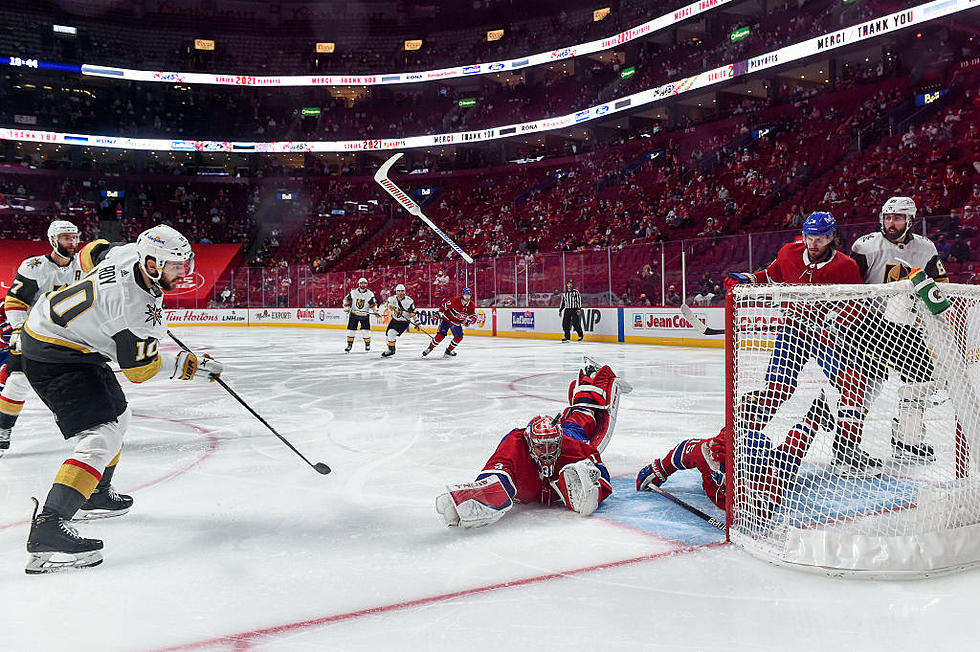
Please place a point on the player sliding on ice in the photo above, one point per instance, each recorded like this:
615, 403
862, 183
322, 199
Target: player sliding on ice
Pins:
456, 312
771, 470
551, 460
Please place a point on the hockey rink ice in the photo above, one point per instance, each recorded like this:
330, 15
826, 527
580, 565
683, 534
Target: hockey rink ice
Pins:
234, 543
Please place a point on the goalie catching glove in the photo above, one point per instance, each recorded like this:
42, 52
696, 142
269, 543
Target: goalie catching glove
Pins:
578, 485
189, 365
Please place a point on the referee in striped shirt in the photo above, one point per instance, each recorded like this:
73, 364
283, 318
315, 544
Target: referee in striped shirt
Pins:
571, 304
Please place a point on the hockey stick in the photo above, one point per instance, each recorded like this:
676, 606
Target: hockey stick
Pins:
319, 467
417, 324
697, 323
381, 176
691, 508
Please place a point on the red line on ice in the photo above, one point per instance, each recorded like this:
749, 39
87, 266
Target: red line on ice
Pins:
211, 447
244, 637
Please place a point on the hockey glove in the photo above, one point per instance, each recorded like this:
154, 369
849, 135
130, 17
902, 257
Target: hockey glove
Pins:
734, 278
578, 485
15, 340
188, 365
650, 474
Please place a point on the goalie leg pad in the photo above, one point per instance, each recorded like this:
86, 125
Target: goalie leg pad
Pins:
579, 485
474, 504
594, 405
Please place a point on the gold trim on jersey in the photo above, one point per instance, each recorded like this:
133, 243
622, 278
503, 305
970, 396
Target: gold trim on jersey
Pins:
57, 342
13, 303
85, 255
143, 373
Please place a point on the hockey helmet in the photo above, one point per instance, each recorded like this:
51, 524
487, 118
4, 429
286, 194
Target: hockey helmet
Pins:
362, 280
898, 206
57, 228
820, 223
399, 288
164, 244
543, 439
467, 291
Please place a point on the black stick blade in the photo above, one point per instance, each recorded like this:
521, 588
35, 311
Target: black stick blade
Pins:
321, 468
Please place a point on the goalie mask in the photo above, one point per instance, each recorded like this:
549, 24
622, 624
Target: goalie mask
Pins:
59, 228
897, 206
543, 439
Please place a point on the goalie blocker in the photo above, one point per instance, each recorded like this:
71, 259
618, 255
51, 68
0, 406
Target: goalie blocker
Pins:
551, 460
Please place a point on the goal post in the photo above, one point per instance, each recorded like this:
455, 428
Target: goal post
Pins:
855, 427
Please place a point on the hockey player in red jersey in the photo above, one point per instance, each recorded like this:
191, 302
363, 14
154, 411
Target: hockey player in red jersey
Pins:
551, 460
455, 313
771, 471
803, 337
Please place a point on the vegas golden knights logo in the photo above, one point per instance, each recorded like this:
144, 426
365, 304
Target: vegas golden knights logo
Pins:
360, 303
896, 273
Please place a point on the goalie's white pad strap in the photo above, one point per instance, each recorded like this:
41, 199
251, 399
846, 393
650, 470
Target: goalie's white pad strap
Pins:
474, 504
578, 486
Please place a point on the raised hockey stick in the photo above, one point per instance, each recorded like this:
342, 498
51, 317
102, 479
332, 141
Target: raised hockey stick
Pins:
319, 467
381, 176
697, 323
691, 508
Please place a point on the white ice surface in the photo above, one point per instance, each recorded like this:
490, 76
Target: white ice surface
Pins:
235, 544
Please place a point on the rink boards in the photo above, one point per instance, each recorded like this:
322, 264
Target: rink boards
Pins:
636, 325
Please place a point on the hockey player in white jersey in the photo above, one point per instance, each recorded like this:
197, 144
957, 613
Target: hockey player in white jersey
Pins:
35, 277
402, 309
114, 313
892, 254
359, 303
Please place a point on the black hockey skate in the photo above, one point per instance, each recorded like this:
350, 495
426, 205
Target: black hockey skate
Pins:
367, 346
427, 351
349, 346
449, 352
54, 544
852, 462
104, 503
388, 353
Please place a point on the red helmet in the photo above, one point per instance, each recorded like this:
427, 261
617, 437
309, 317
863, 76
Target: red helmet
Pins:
543, 439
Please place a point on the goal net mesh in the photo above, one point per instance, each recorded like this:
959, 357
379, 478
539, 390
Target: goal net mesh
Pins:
855, 422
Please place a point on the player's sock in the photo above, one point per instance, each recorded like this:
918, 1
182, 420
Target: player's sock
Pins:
367, 343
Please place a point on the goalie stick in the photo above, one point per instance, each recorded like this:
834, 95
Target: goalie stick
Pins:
381, 176
319, 467
697, 323
710, 520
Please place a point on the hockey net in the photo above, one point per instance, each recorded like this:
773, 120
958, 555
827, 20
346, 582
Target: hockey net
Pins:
883, 483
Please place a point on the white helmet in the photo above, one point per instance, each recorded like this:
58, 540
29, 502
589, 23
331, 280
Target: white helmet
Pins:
362, 280
60, 227
898, 206
399, 287
163, 244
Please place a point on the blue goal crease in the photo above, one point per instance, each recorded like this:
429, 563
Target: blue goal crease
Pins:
650, 512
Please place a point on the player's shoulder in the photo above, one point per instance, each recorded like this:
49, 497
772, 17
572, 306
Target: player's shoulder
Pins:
34, 266
867, 242
924, 243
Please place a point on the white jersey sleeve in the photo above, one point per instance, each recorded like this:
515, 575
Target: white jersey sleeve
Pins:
35, 277
108, 315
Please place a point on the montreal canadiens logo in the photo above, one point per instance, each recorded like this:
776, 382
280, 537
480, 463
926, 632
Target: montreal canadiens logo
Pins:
189, 284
